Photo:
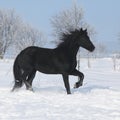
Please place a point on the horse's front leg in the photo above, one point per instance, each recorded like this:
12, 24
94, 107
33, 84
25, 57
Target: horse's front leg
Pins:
66, 83
81, 77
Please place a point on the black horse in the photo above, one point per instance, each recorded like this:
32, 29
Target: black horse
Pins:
60, 60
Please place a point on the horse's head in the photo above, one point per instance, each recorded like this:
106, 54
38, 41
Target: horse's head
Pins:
84, 40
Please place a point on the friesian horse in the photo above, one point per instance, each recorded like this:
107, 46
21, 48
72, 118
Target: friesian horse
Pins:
60, 60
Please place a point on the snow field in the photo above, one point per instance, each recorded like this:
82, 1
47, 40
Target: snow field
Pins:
98, 99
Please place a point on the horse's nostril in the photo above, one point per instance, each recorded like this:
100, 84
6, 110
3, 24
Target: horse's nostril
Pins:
92, 48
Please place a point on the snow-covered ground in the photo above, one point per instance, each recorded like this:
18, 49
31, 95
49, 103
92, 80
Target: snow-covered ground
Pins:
98, 99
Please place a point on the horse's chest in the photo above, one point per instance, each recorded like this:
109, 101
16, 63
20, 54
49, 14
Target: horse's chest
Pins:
74, 64
66, 64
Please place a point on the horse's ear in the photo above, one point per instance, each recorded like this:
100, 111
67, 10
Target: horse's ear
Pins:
85, 30
81, 30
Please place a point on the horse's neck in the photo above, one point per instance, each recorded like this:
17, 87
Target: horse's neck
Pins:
74, 50
71, 50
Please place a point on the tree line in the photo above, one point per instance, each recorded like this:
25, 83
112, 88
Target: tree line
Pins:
15, 33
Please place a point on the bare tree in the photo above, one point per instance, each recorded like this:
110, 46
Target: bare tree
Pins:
100, 49
28, 36
68, 20
14, 31
8, 23
114, 58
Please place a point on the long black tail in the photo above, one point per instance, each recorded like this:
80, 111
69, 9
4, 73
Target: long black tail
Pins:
17, 74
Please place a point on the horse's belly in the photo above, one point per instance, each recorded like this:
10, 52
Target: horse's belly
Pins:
53, 67
47, 69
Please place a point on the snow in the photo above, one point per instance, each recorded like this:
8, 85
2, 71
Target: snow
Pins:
97, 99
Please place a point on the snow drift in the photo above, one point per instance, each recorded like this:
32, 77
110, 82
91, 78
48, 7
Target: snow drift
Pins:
97, 99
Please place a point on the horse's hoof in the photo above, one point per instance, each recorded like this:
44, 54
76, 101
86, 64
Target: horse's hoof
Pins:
77, 85
15, 89
30, 89
68, 93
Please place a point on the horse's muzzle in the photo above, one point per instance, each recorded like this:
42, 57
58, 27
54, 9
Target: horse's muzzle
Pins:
92, 49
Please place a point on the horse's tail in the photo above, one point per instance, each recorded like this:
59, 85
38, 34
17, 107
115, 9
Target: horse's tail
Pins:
17, 74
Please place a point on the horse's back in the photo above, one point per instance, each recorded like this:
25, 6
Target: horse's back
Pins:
33, 52
35, 58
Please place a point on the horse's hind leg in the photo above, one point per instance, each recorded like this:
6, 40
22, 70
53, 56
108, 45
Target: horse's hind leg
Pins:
18, 84
29, 80
18, 81
26, 78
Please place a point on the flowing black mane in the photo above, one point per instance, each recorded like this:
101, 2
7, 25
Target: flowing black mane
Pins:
68, 38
